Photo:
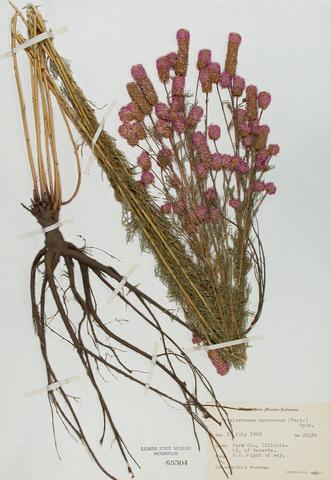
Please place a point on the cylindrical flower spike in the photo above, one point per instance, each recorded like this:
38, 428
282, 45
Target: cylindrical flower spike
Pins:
139, 98
217, 162
178, 85
162, 111
201, 171
221, 365
172, 59
198, 138
179, 125
261, 137
214, 72
225, 80
140, 76
238, 85
251, 102
206, 83
162, 129
163, 68
232, 54
204, 59
194, 116
183, 39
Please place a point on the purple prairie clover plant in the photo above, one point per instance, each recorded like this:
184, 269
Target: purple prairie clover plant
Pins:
211, 195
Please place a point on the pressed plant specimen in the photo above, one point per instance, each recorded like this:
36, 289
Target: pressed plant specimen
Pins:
210, 197
61, 270
194, 206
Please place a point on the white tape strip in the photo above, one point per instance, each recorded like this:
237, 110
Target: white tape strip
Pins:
54, 226
52, 386
122, 282
37, 39
218, 346
152, 367
98, 132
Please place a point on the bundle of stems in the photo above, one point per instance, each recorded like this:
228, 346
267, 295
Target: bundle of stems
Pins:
66, 276
215, 305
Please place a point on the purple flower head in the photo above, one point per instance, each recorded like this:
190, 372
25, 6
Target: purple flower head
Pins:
240, 115
138, 72
163, 68
261, 160
204, 58
164, 157
232, 54
130, 112
214, 72
216, 162
234, 38
226, 161
225, 80
270, 188
214, 132
244, 129
144, 161
205, 154
172, 58
179, 125
251, 102
183, 40
273, 149
264, 99
124, 129
198, 138
201, 170
235, 203
183, 35
221, 365
205, 80
178, 85
177, 104
194, 116
162, 111
238, 85
162, 129
147, 178
210, 194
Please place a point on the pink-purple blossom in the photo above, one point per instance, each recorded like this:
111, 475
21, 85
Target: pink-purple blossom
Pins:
264, 99
194, 116
214, 132
270, 188
147, 178
204, 58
